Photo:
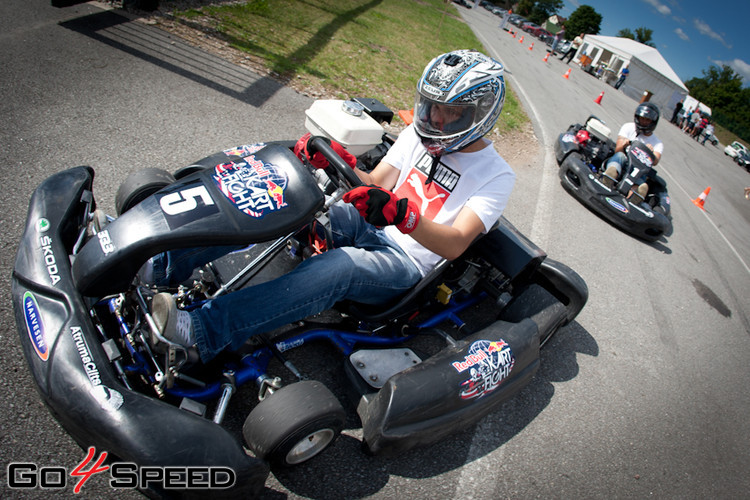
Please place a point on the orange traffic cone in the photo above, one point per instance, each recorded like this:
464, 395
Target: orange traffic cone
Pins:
701, 199
598, 100
567, 74
406, 115
546, 57
521, 40
531, 47
513, 33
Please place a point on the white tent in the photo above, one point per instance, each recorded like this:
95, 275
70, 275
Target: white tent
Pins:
649, 71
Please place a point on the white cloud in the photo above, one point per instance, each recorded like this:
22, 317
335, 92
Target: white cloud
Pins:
738, 66
682, 34
705, 29
660, 7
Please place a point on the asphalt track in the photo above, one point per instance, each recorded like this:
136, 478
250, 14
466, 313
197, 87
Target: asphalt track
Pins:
645, 394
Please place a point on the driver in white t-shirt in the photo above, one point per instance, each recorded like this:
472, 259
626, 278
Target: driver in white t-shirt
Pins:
439, 186
642, 128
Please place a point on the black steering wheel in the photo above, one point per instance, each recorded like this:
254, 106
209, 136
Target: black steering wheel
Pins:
338, 170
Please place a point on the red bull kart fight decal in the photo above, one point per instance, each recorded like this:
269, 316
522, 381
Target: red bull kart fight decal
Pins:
488, 364
254, 187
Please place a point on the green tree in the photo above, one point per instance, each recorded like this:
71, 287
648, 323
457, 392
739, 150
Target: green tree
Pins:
626, 33
524, 7
721, 89
543, 9
642, 35
583, 20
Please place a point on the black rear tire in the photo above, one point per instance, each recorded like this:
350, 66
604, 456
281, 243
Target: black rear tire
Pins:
140, 185
294, 424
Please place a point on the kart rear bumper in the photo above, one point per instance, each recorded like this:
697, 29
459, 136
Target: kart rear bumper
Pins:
71, 368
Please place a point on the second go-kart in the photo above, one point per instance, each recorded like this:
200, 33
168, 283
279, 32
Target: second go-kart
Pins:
438, 359
582, 152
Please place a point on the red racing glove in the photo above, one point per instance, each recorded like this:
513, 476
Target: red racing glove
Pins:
380, 207
303, 151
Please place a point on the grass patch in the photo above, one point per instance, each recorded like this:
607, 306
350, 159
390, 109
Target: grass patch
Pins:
368, 48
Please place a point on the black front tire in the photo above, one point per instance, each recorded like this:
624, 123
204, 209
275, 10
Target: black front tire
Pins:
294, 424
140, 185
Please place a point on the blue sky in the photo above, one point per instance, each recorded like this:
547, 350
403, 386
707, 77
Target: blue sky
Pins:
690, 34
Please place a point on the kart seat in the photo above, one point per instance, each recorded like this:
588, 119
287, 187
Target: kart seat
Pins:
504, 247
377, 313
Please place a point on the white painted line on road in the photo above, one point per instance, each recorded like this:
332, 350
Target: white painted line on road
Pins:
729, 244
469, 486
541, 222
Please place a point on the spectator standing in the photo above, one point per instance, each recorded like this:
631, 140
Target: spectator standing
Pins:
708, 133
577, 42
558, 38
695, 116
623, 75
675, 114
700, 126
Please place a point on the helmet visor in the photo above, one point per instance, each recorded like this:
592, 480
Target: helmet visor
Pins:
438, 120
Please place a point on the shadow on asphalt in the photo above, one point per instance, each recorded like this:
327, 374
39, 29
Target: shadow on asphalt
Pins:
366, 475
158, 47
168, 52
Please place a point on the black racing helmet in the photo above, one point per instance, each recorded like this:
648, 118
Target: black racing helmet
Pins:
646, 110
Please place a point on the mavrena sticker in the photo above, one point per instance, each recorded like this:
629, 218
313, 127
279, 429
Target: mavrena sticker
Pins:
35, 325
618, 206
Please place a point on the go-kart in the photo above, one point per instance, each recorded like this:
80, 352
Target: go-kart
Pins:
417, 371
582, 153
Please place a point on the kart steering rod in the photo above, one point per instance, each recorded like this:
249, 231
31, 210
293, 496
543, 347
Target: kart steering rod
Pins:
343, 170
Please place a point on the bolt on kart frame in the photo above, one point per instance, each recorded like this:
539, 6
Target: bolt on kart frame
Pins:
416, 369
582, 153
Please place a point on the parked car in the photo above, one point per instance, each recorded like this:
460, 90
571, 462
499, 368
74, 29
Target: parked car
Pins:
543, 35
516, 20
734, 149
563, 46
743, 160
528, 26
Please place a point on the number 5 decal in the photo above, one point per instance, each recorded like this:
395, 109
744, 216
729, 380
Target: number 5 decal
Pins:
185, 200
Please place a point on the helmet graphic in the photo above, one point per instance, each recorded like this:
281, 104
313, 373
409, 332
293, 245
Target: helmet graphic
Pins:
459, 97
646, 110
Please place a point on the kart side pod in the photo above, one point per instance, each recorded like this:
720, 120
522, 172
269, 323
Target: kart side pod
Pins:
72, 367
455, 388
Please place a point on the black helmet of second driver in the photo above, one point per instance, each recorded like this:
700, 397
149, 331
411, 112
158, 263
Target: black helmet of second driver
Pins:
471, 86
646, 110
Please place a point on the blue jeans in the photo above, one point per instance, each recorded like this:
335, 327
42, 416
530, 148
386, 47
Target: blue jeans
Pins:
620, 161
365, 266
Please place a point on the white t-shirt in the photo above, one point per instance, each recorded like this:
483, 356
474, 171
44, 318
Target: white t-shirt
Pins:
628, 131
481, 180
